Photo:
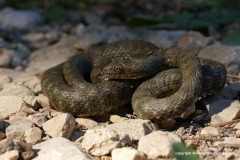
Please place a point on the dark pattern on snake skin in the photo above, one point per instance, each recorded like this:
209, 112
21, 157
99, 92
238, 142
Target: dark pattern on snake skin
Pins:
69, 88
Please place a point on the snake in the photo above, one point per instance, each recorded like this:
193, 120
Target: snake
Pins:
160, 83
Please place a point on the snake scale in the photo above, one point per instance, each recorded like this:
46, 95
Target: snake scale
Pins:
160, 83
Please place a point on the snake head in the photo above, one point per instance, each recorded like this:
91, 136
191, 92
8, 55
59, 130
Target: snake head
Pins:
114, 70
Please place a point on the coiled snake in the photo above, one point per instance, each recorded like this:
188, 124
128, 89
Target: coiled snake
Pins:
170, 80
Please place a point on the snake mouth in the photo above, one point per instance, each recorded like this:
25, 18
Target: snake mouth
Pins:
100, 77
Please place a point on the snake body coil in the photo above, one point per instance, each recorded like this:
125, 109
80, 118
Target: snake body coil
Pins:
69, 89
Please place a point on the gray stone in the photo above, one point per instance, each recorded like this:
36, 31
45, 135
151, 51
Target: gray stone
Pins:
90, 39
60, 126
161, 38
40, 40
210, 131
157, 144
39, 119
227, 93
76, 134
227, 55
99, 142
59, 148
79, 29
120, 33
127, 153
235, 86
11, 19
194, 41
135, 128
20, 55
218, 106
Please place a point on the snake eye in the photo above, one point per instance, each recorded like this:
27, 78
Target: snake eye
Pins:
116, 68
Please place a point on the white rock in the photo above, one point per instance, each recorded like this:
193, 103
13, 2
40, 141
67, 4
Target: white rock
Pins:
135, 128
117, 118
32, 101
43, 101
33, 84
4, 79
60, 126
87, 122
230, 113
99, 142
238, 133
157, 144
48, 57
38, 119
180, 131
27, 109
237, 126
13, 89
228, 141
10, 105
18, 116
210, 131
17, 129
33, 135
59, 148
17, 76
10, 155
11, 19
127, 154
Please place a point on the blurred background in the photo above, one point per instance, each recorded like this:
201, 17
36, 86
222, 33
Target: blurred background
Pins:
217, 18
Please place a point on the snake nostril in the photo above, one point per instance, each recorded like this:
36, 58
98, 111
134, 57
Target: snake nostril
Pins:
105, 70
